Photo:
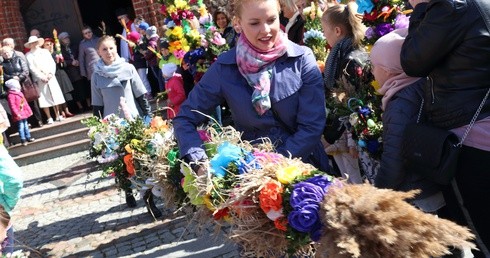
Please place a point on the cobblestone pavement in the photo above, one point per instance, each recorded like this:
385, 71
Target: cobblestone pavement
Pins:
66, 210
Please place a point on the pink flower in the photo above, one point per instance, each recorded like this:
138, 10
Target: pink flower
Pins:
204, 42
218, 40
179, 54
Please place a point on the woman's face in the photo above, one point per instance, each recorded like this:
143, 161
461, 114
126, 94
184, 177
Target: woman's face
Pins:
108, 51
259, 21
7, 53
221, 21
48, 45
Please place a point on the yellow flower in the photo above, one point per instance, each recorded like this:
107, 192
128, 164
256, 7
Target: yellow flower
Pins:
194, 34
312, 11
128, 148
181, 4
375, 85
208, 203
171, 9
177, 31
287, 174
203, 11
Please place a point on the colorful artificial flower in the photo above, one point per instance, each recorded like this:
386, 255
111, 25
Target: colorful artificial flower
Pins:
227, 153
128, 161
270, 199
286, 175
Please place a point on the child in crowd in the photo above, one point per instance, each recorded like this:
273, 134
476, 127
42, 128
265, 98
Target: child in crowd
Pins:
344, 33
174, 86
20, 109
11, 181
402, 97
167, 57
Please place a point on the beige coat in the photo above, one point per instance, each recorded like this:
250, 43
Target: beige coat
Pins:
41, 64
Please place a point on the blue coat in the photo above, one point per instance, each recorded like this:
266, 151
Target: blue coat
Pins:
297, 97
401, 110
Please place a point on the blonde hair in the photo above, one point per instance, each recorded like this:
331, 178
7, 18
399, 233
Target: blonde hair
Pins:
289, 4
345, 17
236, 6
104, 39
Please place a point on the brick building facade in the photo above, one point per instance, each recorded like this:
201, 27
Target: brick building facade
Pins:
12, 23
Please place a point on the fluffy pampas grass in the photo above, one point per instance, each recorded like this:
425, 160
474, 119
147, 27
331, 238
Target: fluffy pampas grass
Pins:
363, 221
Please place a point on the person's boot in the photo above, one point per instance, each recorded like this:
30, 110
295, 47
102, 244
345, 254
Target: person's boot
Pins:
130, 201
150, 205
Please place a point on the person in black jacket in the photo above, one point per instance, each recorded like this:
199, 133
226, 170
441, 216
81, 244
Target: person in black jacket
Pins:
291, 20
449, 42
36, 119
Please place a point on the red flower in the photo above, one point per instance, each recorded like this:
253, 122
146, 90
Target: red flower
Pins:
219, 214
128, 161
281, 223
372, 16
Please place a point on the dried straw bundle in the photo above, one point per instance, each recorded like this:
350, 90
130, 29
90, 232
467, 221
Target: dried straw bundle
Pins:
363, 221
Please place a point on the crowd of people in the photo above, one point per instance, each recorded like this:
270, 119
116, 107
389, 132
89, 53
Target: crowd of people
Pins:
272, 87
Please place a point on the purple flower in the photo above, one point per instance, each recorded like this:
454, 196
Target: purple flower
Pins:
401, 21
321, 181
383, 29
370, 33
316, 231
305, 193
304, 219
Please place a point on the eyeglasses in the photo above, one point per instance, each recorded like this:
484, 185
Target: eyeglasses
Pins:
87, 32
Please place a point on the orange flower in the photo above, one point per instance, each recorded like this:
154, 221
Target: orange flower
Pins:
270, 197
281, 223
157, 122
128, 161
321, 65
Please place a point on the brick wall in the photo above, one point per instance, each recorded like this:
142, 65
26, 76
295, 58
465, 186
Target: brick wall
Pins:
149, 10
11, 23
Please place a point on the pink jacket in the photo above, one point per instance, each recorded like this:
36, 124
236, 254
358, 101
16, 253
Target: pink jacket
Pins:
176, 94
19, 106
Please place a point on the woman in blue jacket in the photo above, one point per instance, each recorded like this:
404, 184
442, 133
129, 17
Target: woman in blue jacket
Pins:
273, 87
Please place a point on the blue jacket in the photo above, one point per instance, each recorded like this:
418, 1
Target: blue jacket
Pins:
10, 181
401, 110
297, 97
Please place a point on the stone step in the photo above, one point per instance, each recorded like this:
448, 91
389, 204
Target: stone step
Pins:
52, 152
54, 140
69, 124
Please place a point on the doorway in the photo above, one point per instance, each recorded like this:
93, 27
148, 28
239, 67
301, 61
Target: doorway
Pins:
94, 11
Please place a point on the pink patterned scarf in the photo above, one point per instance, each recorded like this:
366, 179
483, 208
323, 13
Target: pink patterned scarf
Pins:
256, 66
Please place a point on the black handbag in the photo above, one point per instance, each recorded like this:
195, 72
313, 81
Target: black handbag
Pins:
433, 152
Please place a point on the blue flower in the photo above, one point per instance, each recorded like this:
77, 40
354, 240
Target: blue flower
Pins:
364, 6
227, 153
246, 163
364, 111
